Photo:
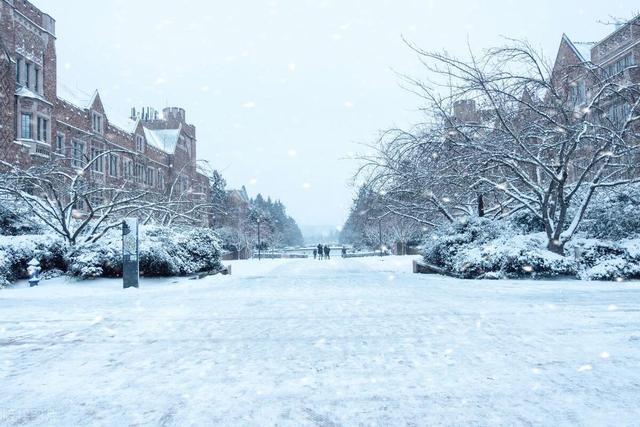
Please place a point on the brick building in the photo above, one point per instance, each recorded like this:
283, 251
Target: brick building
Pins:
42, 121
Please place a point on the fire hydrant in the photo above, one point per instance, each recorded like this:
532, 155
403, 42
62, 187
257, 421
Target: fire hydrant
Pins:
34, 272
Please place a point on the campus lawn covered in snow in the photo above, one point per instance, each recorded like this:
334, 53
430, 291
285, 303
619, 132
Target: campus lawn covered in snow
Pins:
304, 342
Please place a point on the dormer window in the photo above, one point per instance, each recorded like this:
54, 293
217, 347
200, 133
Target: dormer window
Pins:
140, 146
96, 122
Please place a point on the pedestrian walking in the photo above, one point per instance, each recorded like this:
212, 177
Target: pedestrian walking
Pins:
315, 253
327, 252
344, 252
320, 251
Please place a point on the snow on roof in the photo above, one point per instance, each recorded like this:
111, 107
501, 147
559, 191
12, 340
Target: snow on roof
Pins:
125, 124
163, 139
582, 50
76, 96
28, 93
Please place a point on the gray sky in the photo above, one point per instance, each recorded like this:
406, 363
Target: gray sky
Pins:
282, 92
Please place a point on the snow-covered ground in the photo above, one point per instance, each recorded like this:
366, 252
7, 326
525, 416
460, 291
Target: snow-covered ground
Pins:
304, 342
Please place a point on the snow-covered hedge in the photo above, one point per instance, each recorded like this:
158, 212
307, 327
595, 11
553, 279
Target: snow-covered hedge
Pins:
606, 260
164, 251
482, 248
17, 251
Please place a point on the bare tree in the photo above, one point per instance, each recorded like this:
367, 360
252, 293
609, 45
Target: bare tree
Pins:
510, 126
81, 207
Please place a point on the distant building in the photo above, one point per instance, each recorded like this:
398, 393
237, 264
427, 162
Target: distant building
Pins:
42, 121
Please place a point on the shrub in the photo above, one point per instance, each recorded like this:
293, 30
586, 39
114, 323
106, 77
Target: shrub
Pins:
443, 246
481, 247
525, 222
14, 220
163, 252
613, 214
605, 260
100, 259
514, 256
17, 251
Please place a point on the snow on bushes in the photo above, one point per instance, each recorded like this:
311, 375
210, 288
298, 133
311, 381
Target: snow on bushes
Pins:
602, 260
17, 251
163, 252
100, 259
613, 214
167, 252
482, 248
15, 220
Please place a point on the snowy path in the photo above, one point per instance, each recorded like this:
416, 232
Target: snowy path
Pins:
304, 342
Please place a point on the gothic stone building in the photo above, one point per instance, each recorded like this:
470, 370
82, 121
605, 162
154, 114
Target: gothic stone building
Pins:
40, 121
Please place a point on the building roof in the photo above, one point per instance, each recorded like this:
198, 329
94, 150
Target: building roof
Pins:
77, 97
125, 124
163, 139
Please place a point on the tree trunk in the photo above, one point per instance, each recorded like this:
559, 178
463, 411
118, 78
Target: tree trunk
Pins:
480, 205
556, 247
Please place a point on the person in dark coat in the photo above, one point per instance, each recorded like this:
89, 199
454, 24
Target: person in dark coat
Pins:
344, 252
320, 251
315, 253
327, 251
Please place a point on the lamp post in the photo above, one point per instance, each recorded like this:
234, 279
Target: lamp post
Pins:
259, 242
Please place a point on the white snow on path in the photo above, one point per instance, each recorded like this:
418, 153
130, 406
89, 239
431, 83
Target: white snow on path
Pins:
304, 342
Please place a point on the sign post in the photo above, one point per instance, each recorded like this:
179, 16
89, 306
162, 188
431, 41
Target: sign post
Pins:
130, 259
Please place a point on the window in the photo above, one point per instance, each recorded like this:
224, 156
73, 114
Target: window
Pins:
36, 80
618, 114
43, 129
618, 66
77, 154
97, 158
140, 143
148, 177
28, 75
113, 165
25, 126
160, 180
128, 169
578, 92
18, 69
59, 143
96, 122
138, 172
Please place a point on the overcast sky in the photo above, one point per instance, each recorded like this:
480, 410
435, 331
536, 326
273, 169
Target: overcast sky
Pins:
283, 92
